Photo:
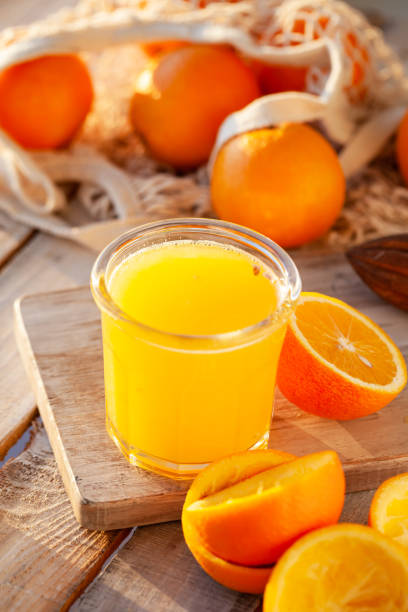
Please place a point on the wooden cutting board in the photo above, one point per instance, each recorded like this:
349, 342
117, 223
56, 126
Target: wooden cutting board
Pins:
59, 338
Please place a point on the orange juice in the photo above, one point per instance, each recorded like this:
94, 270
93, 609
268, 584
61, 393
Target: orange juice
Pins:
190, 364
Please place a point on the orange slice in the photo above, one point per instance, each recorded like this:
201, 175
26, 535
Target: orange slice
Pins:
217, 476
389, 509
344, 567
336, 362
253, 521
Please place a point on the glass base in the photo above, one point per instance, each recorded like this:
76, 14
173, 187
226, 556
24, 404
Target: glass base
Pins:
177, 471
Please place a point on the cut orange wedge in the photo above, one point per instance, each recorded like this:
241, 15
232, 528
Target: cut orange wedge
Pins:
253, 521
343, 567
336, 362
216, 477
389, 509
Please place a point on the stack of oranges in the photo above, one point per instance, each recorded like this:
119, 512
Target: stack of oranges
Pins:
249, 511
285, 181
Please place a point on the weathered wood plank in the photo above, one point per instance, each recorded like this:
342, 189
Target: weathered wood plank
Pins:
155, 571
44, 263
46, 558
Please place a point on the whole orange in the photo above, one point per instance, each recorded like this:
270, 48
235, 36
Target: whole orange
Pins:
44, 101
402, 147
284, 182
182, 98
276, 78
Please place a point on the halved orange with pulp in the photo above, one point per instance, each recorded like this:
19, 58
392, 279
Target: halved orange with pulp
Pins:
336, 362
343, 567
389, 509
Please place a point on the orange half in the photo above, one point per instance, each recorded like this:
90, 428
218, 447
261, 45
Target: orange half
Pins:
336, 362
389, 509
343, 567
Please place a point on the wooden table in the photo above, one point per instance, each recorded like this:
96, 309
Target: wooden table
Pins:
46, 560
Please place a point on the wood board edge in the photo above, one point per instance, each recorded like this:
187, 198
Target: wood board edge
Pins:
30, 365
80, 289
361, 475
132, 512
368, 474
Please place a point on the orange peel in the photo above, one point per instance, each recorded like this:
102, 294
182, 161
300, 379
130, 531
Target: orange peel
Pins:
231, 575
215, 477
242, 512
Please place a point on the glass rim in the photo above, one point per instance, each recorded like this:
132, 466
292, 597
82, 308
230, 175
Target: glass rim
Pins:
251, 238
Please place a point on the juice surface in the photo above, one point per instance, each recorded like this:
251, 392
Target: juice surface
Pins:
194, 288
178, 404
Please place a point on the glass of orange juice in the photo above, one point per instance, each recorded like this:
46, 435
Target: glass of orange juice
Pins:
194, 312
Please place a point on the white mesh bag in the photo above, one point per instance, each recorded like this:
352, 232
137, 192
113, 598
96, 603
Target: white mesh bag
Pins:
356, 90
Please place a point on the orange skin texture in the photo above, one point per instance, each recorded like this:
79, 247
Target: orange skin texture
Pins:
43, 102
182, 98
276, 78
285, 182
256, 530
233, 576
402, 147
315, 388
219, 475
